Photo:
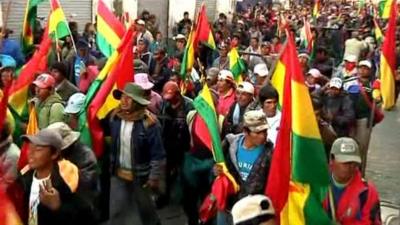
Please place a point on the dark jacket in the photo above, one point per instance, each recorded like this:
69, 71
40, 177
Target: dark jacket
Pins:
341, 112
176, 137
228, 126
66, 89
148, 154
258, 177
84, 158
160, 74
74, 210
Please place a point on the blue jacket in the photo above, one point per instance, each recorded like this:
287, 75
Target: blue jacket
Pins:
148, 154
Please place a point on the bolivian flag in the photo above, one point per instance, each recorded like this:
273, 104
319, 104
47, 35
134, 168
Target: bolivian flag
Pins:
388, 62
236, 65
99, 99
188, 56
384, 8
224, 184
58, 25
203, 30
299, 177
29, 25
316, 8
109, 30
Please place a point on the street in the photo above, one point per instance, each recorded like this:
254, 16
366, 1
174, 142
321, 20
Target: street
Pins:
384, 156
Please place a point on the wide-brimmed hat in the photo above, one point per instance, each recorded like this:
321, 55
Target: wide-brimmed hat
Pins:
68, 135
142, 79
134, 91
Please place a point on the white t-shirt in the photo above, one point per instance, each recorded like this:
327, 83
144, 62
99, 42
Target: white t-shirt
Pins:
274, 123
34, 200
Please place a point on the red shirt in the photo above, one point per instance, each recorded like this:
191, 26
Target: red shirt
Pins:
225, 102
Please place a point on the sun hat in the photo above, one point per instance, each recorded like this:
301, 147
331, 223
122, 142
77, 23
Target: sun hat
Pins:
134, 91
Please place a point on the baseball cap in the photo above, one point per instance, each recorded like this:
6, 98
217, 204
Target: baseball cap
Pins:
169, 90
261, 70
246, 87
304, 55
346, 150
314, 73
142, 79
75, 103
68, 135
365, 63
140, 22
179, 37
45, 80
45, 137
255, 120
336, 82
226, 75
350, 58
252, 207
7, 62
212, 72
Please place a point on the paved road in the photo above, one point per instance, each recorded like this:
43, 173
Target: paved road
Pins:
383, 166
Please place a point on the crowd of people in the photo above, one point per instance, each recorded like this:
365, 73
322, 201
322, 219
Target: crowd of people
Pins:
153, 158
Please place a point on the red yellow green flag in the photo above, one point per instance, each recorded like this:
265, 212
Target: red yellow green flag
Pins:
58, 25
109, 30
29, 25
236, 65
388, 62
299, 177
385, 7
316, 9
99, 101
203, 30
225, 183
188, 56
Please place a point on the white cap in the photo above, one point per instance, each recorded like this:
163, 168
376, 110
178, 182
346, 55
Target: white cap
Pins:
75, 103
304, 55
179, 37
246, 87
261, 70
226, 75
336, 82
314, 73
350, 58
251, 207
141, 22
365, 63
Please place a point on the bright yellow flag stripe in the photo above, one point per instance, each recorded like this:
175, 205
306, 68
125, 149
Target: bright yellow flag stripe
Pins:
56, 17
106, 31
18, 100
387, 84
386, 9
206, 95
293, 212
304, 122
278, 79
110, 104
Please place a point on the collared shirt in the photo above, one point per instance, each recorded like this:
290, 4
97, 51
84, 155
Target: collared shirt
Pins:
225, 102
125, 154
